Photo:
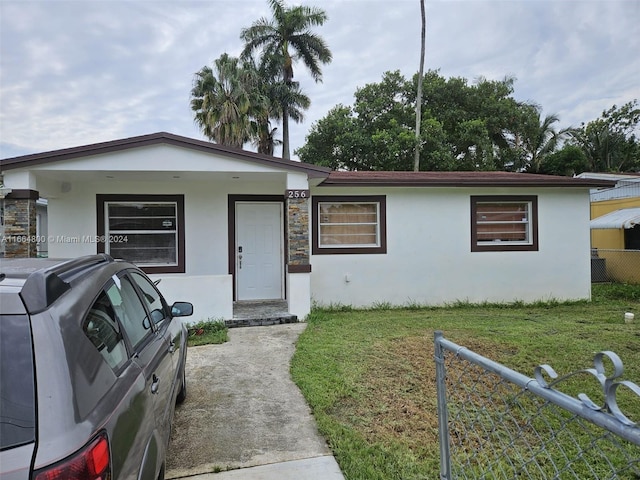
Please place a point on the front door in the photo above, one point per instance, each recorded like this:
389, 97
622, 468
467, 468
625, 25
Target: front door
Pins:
259, 251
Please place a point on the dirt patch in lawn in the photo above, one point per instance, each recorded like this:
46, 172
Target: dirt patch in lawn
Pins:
398, 401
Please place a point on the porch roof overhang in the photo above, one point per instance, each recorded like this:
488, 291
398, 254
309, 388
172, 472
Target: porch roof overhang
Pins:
624, 218
42, 159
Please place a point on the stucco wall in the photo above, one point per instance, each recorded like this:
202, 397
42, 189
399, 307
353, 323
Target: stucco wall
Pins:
205, 180
73, 215
429, 259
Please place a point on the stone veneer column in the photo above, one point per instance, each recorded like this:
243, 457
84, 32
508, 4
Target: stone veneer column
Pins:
298, 235
19, 235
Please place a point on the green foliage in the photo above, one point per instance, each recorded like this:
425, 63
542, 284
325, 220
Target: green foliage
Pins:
381, 306
277, 94
539, 140
570, 160
466, 126
463, 127
206, 332
604, 292
279, 42
335, 140
332, 307
235, 101
610, 142
226, 100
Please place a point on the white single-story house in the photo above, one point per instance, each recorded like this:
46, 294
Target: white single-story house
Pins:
220, 225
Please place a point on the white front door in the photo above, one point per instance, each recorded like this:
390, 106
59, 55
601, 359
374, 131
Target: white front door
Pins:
259, 251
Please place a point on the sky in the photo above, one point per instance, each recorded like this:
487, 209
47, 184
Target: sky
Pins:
76, 72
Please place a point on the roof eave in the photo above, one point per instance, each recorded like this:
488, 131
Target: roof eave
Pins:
463, 183
26, 161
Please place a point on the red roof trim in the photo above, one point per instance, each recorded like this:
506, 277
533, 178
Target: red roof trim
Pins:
456, 179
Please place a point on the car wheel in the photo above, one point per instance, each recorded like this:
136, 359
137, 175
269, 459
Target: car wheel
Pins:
182, 394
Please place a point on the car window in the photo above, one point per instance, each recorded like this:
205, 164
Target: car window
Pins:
17, 401
130, 311
152, 298
103, 330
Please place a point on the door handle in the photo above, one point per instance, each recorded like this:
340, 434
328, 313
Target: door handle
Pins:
172, 346
155, 384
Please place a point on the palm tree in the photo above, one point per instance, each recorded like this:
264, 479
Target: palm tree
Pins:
277, 94
540, 139
225, 102
282, 40
606, 150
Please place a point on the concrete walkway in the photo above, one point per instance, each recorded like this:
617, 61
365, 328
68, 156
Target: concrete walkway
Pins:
318, 468
244, 412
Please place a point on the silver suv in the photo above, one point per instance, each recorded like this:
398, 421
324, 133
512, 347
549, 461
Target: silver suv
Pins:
92, 362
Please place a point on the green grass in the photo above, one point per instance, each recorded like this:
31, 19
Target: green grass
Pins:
369, 375
207, 332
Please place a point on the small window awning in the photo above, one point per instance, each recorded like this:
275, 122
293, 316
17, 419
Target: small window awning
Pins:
624, 218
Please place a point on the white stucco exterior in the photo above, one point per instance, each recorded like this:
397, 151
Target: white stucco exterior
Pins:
73, 218
206, 182
428, 259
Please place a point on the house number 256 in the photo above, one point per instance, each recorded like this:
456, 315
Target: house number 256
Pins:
297, 193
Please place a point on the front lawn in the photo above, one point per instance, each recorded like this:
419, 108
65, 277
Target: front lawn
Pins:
369, 375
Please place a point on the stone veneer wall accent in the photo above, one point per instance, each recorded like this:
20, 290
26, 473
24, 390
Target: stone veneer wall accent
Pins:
298, 235
19, 234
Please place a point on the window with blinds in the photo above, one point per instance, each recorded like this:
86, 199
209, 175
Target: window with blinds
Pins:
147, 230
150, 230
349, 225
504, 223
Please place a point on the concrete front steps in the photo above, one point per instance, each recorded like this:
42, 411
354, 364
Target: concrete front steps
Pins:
256, 313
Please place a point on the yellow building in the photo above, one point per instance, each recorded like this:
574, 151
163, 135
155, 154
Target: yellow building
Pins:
615, 229
616, 224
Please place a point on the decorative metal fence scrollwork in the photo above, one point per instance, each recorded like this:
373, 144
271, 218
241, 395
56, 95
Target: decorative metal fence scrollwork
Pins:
495, 423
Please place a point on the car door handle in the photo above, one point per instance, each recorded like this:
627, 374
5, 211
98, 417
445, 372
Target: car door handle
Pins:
172, 347
155, 384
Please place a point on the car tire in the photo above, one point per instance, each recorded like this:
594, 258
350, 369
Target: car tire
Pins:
182, 394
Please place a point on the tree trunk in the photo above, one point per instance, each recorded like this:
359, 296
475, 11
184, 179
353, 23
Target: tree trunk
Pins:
416, 160
285, 134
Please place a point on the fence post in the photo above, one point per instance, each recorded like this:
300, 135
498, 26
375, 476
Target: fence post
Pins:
443, 415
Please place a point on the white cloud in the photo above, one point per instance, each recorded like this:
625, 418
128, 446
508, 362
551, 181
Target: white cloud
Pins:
74, 72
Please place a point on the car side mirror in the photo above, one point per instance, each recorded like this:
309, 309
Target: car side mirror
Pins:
181, 309
157, 316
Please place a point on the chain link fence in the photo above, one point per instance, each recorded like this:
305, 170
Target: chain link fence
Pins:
495, 423
615, 265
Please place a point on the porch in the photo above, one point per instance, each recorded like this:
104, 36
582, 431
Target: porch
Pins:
259, 313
